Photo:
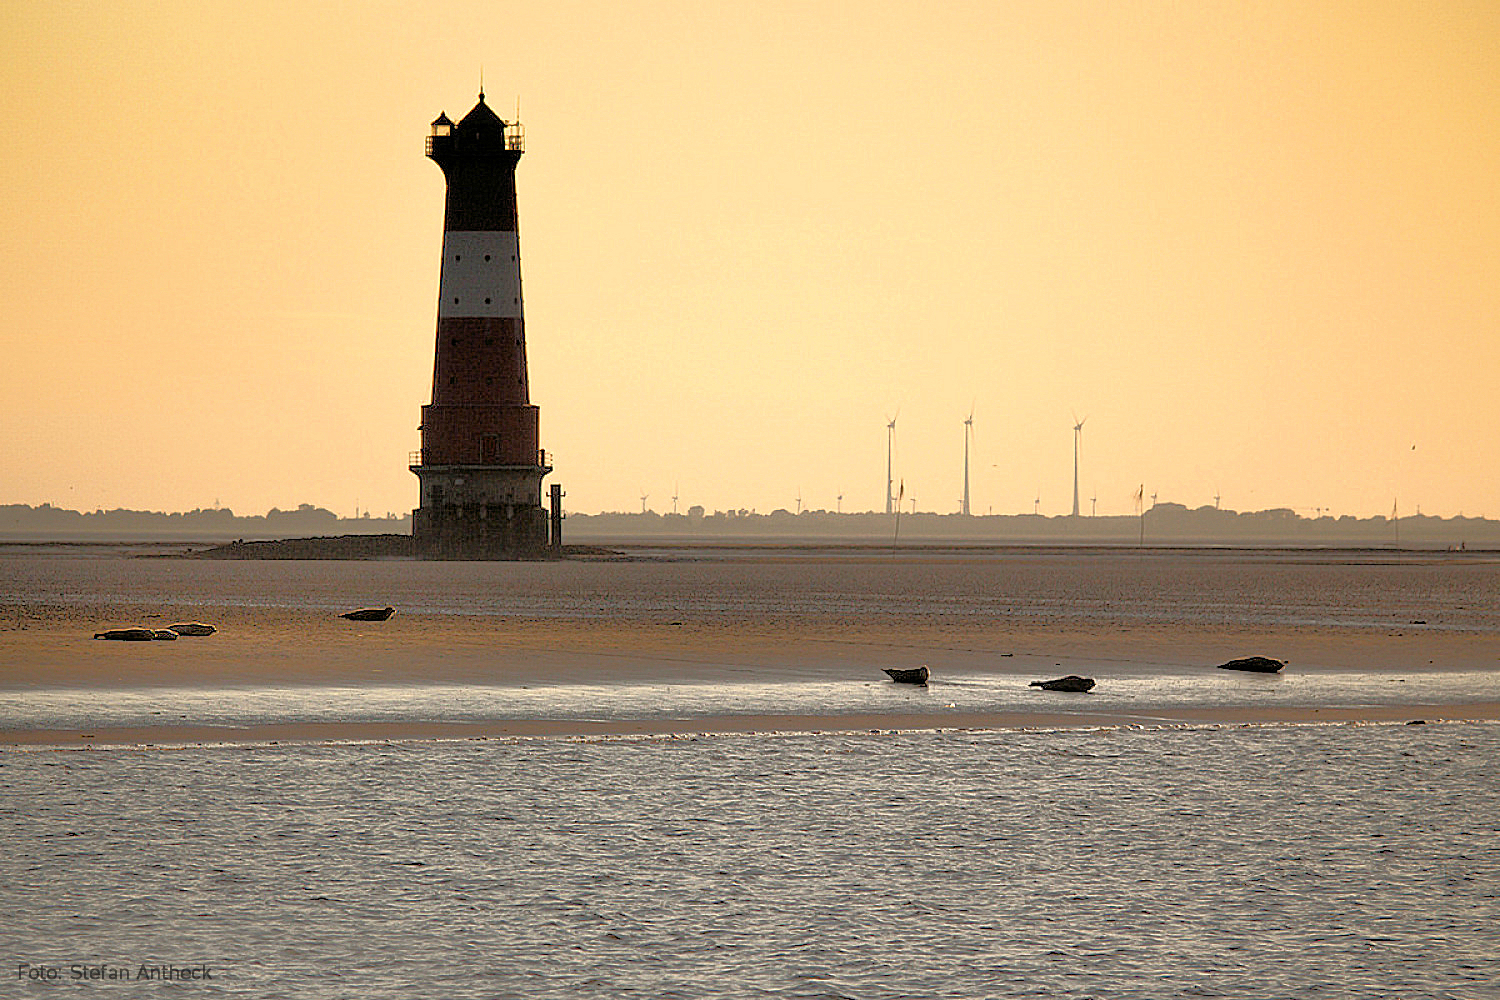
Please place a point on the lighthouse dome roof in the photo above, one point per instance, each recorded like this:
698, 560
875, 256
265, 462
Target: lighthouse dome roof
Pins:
442, 119
480, 117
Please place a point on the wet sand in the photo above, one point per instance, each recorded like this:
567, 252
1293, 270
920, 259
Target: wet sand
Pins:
277, 646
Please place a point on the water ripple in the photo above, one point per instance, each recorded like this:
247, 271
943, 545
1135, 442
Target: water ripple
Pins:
1270, 861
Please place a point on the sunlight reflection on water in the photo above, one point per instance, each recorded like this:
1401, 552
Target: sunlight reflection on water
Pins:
66, 709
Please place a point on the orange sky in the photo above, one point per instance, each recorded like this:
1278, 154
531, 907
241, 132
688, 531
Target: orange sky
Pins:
1257, 244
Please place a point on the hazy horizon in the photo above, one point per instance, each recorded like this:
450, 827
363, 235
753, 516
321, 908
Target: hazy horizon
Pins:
1254, 245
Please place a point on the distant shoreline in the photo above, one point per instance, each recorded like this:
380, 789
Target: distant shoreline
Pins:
365, 547
1166, 524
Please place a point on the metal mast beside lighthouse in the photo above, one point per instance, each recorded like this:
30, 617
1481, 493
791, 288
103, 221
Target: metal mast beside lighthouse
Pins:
480, 468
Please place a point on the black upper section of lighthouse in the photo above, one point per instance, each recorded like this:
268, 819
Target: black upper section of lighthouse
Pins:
478, 157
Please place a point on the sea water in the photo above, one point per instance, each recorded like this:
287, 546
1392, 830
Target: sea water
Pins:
1265, 861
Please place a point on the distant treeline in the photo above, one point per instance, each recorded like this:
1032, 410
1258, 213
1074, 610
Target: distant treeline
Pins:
23, 522
1163, 524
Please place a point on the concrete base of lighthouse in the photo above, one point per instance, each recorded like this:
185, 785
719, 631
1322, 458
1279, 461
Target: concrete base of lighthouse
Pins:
480, 512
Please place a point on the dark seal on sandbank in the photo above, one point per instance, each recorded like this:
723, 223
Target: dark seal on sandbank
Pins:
127, 634
1072, 682
369, 614
1254, 664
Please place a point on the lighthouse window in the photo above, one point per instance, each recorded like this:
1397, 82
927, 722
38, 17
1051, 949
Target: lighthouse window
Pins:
486, 301
455, 300
454, 341
452, 380
486, 258
458, 257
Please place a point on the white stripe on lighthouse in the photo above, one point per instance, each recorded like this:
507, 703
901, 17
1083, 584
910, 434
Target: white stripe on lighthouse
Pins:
481, 275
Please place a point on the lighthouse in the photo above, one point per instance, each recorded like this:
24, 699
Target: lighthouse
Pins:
480, 469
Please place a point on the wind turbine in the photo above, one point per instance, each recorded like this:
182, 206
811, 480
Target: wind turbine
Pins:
643, 502
1094, 512
799, 501
675, 490
841, 503
1077, 439
968, 435
890, 447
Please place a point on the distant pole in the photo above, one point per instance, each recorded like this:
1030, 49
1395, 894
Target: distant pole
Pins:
896, 536
1140, 510
890, 443
1077, 438
968, 433
557, 516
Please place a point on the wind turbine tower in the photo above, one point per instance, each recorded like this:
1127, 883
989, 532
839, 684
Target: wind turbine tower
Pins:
1077, 439
968, 434
890, 447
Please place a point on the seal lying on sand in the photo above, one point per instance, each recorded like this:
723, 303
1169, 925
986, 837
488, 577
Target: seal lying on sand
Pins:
1254, 664
916, 675
1072, 682
369, 614
127, 634
164, 633
192, 628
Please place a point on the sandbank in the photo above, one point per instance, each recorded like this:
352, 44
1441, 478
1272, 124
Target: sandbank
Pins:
273, 647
